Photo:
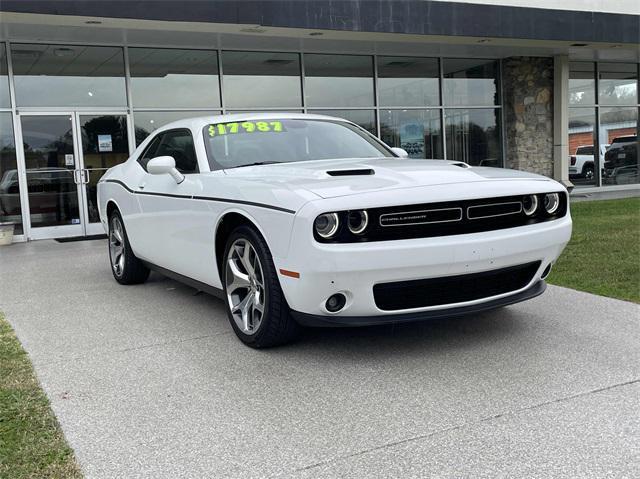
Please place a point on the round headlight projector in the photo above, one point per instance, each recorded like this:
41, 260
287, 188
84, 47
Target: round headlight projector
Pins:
326, 225
530, 205
358, 221
551, 202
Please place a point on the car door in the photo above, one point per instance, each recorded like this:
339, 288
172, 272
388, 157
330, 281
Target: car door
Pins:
173, 226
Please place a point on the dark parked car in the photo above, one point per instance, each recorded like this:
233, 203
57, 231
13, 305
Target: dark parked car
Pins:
621, 161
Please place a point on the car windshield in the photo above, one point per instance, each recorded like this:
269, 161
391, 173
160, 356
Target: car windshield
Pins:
250, 142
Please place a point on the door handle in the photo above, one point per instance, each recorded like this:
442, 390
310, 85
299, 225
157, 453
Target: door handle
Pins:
86, 176
75, 177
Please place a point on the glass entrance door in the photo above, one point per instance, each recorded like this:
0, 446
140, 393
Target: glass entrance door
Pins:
65, 155
103, 144
53, 175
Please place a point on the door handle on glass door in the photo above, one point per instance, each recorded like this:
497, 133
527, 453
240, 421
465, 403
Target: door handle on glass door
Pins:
86, 176
75, 177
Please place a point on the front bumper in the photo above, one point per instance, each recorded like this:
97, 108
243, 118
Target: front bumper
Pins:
353, 269
323, 321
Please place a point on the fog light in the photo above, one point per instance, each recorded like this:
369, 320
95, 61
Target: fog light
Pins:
551, 202
335, 302
530, 205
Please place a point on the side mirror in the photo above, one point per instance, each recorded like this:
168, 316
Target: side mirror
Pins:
402, 153
164, 165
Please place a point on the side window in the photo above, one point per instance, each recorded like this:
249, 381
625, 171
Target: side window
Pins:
179, 145
149, 153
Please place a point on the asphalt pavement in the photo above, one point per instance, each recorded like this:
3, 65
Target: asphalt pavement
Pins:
150, 381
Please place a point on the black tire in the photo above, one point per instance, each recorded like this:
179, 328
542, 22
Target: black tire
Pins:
129, 269
276, 326
588, 172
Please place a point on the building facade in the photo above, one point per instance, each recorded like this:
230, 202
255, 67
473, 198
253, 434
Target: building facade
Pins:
485, 82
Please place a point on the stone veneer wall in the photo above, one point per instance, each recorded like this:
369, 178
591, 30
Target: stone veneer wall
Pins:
528, 113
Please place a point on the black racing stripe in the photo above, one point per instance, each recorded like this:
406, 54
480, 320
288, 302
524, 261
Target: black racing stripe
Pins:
168, 195
242, 202
118, 182
201, 198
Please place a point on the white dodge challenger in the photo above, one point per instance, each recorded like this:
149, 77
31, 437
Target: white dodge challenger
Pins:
296, 219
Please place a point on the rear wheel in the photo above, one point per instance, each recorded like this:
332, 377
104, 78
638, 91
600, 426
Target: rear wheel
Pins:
125, 266
257, 309
587, 172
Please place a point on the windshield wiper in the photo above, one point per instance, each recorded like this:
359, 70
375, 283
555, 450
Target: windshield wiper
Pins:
257, 163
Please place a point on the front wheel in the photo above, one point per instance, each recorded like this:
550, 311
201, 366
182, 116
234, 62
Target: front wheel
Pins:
125, 266
257, 309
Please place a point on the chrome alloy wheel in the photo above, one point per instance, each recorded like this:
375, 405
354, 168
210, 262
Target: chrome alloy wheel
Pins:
116, 246
245, 286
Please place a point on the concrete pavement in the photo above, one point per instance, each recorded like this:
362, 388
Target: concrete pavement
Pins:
150, 381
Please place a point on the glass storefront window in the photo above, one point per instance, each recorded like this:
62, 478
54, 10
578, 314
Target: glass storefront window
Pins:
338, 80
257, 79
582, 83
419, 132
582, 134
174, 78
146, 122
5, 101
473, 136
364, 118
10, 209
618, 84
68, 75
50, 161
470, 82
408, 81
619, 128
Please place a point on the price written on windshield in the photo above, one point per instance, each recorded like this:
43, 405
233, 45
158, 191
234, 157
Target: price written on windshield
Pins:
220, 129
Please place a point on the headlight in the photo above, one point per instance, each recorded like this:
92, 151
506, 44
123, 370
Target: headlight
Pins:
358, 221
326, 225
551, 202
530, 205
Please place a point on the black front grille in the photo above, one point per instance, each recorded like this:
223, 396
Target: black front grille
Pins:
422, 293
427, 220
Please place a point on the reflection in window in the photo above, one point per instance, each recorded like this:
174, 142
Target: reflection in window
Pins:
364, 118
174, 78
5, 101
10, 210
50, 161
416, 131
618, 84
473, 136
470, 82
256, 79
582, 161
68, 75
408, 81
582, 83
619, 127
146, 122
338, 80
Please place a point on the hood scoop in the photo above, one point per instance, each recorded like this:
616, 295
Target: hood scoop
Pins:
461, 165
358, 172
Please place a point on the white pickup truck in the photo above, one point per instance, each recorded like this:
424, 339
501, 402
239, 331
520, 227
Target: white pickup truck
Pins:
581, 165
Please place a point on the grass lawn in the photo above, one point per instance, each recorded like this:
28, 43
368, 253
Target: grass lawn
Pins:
603, 256
31, 442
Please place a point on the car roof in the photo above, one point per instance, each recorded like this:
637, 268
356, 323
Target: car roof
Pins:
200, 122
625, 139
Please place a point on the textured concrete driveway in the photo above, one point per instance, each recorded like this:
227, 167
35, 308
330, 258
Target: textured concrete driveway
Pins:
149, 381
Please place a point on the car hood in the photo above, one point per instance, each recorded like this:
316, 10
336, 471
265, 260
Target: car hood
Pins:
334, 178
